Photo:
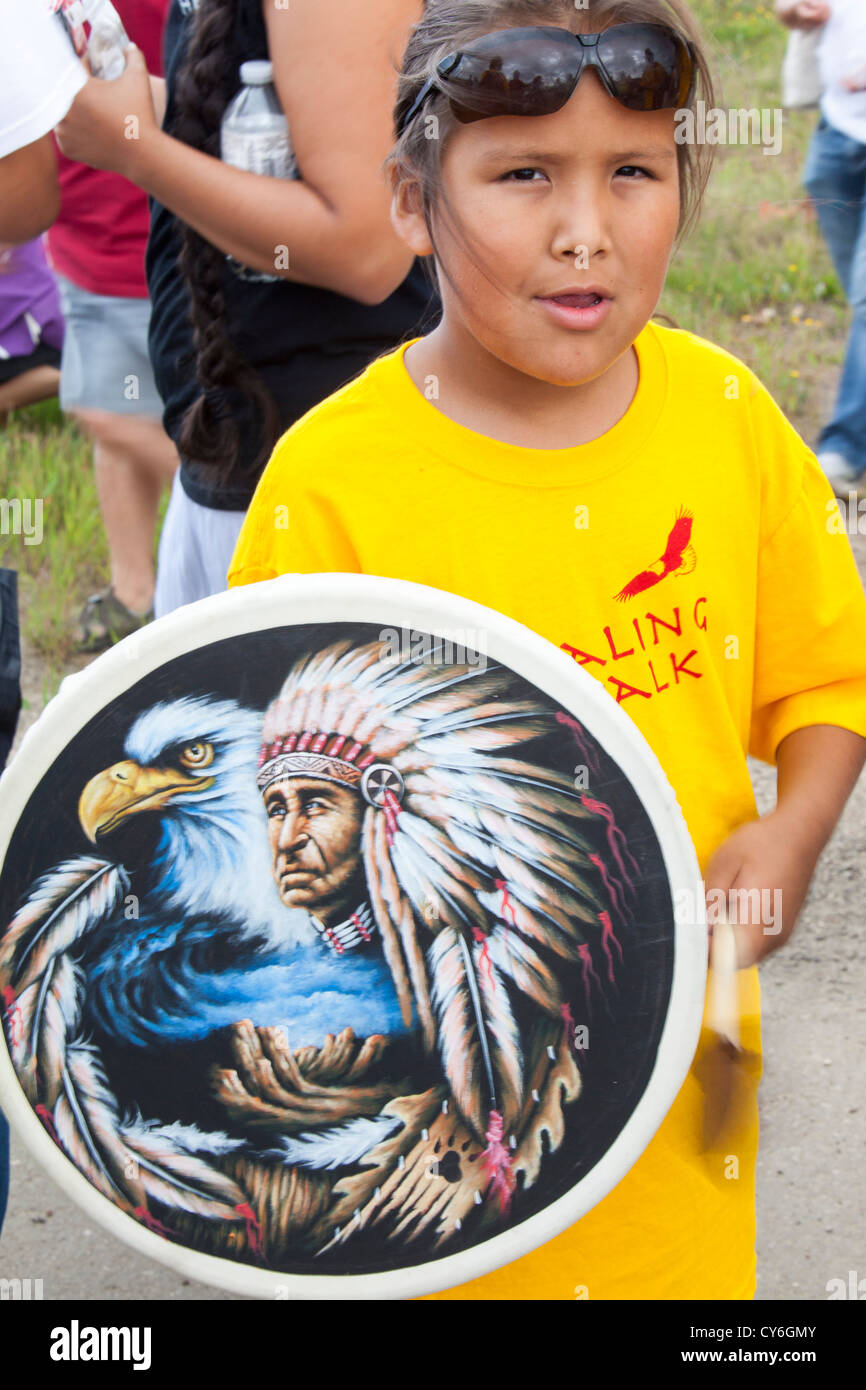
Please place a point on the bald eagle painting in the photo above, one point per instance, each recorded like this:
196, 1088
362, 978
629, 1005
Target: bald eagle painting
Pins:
350, 962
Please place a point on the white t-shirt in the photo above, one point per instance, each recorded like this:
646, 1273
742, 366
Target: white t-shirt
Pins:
842, 53
40, 75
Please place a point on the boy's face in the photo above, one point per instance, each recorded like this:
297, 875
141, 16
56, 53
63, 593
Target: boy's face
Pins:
588, 196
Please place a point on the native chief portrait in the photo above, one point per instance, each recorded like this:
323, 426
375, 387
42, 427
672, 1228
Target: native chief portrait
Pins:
323, 955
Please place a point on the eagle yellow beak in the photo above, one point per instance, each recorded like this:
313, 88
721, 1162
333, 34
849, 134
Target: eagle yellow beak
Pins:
126, 788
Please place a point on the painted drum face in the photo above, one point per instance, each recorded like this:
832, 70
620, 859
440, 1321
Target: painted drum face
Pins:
338, 950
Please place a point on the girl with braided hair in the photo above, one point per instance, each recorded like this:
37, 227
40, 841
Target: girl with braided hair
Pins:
236, 360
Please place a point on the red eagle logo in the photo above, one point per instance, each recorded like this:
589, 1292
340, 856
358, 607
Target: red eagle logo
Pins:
678, 558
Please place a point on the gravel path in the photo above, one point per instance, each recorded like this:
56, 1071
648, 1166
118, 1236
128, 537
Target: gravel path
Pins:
811, 1184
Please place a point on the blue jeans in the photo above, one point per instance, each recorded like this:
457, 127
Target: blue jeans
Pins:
835, 178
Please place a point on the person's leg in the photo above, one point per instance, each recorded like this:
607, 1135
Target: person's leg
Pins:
844, 436
195, 550
176, 568
26, 380
835, 177
133, 459
106, 384
36, 384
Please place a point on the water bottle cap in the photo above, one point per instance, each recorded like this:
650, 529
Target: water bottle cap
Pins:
257, 73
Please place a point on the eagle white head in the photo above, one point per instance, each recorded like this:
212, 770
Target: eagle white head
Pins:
192, 762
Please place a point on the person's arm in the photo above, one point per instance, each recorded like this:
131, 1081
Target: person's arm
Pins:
335, 72
807, 682
775, 857
29, 193
817, 770
159, 97
39, 77
803, 14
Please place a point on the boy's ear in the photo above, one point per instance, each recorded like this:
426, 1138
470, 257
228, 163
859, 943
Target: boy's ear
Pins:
407, 214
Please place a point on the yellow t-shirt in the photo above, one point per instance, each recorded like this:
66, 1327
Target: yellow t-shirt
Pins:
692, 559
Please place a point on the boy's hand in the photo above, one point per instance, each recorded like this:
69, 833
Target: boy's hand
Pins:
767, 857
109, 122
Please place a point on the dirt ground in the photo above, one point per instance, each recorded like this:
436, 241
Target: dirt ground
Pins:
811, 1182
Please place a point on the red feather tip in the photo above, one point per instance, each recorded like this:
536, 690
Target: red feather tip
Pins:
497, 1162
152, 1223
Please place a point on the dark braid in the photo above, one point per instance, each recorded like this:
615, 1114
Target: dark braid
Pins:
209, 433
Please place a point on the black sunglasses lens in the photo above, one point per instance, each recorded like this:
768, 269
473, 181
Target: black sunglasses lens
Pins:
533, 72
515, 72
649, 67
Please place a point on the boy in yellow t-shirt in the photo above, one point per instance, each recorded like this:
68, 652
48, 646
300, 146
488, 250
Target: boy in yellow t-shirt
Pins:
629, 491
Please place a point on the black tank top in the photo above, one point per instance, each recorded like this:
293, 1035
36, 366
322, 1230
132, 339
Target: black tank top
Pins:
304, 342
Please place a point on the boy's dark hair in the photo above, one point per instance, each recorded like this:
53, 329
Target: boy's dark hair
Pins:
206, 84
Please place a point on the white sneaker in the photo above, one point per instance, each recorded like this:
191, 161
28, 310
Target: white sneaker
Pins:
842, 477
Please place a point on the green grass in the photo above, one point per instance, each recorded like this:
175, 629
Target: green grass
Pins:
754, 276
44, 456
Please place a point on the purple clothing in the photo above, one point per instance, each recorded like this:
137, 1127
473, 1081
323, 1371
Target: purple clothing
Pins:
30, 311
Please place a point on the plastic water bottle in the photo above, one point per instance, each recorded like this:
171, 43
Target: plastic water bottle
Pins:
254, 135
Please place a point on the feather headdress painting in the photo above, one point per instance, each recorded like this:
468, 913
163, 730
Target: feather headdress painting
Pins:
485, 873
351, 962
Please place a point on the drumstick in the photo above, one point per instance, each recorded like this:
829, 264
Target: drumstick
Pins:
723, 1013
726, 1066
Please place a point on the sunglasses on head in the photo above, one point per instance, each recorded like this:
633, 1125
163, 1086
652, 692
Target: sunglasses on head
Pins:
533, 72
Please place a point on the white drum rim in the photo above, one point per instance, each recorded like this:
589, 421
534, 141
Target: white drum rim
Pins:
389, 603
